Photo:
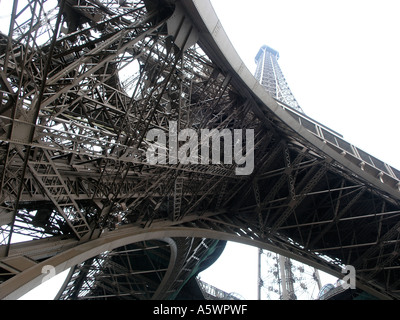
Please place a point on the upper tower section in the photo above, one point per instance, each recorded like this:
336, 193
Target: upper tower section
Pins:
270, 76
266, 48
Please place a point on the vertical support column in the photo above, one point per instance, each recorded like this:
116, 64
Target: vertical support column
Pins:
178, 194
259, 280
285, 295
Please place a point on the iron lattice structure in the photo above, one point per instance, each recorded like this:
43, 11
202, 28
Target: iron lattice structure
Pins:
82, 83
280, 277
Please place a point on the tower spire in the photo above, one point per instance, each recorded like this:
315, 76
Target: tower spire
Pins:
270, 76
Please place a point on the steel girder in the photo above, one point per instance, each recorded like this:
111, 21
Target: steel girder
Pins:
82, 86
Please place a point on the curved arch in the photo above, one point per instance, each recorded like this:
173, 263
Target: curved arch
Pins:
32, 277
165, 281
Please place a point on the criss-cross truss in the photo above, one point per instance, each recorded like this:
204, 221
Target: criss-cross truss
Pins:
84, 81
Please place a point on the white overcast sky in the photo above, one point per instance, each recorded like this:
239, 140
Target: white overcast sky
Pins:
341, 61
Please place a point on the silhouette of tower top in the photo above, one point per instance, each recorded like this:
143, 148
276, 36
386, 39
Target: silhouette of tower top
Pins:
270, 76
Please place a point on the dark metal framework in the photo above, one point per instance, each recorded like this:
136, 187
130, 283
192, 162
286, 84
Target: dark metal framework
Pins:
137, 271
83, 81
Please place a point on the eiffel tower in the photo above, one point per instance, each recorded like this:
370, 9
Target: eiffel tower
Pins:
83, 82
